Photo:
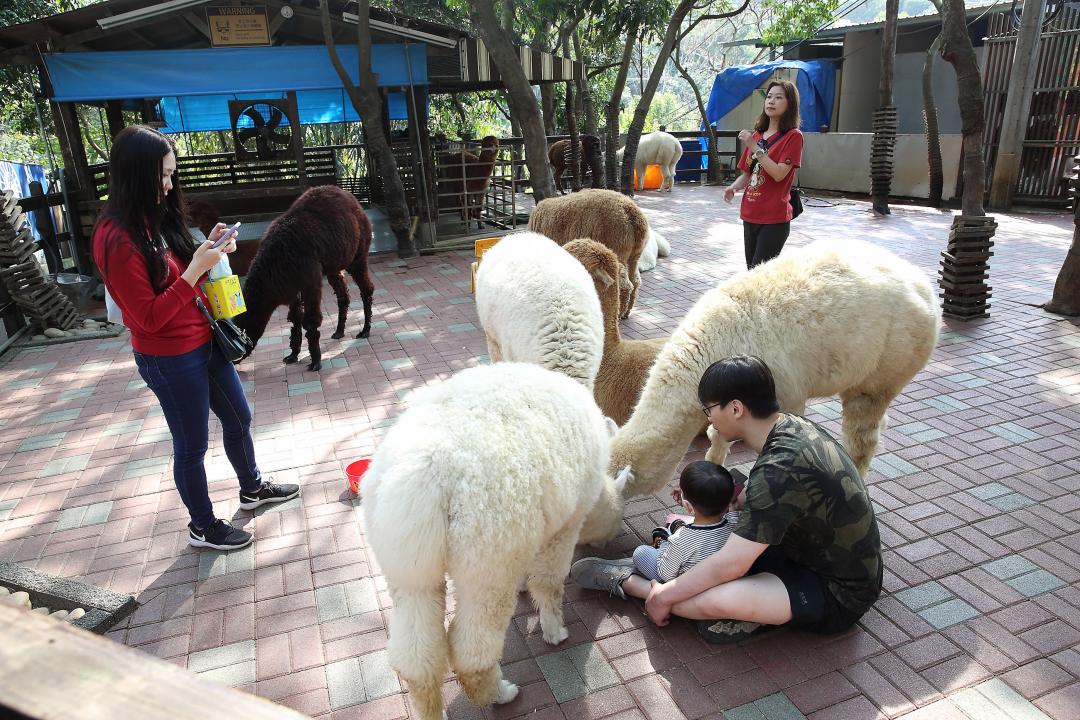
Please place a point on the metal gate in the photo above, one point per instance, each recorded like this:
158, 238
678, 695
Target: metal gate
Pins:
1053, 133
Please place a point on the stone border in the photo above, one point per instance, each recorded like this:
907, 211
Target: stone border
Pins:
104, 608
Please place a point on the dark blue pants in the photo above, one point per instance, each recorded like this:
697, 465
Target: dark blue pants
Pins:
763, 242
188, 386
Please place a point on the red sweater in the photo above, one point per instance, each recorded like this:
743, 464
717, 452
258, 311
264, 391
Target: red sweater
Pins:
168, 323
766, 201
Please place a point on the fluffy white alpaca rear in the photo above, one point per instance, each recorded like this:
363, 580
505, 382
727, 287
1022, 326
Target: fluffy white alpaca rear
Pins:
656, 148
537, 304
656, 246
488, 478
833, 318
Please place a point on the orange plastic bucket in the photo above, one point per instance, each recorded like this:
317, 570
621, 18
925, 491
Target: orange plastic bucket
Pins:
653, 177
354, 472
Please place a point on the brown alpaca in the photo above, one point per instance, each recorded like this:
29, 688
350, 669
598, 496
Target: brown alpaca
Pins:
625, 364
465, 178
608, 217
559, 157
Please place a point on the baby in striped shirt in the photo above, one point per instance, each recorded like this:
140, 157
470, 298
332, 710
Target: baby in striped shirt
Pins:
707, 491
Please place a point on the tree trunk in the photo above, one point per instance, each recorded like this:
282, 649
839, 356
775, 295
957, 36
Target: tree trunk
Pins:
930, 119
885, 118
1066, 300
588, 107
547, 100
611, 131
714, 158
520, 96
957, 50
633, 134
368, 104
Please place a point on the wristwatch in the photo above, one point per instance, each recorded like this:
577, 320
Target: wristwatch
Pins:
758, 153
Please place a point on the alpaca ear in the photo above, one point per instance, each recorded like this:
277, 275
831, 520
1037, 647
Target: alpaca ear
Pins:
625, 476
612, 427
603, 276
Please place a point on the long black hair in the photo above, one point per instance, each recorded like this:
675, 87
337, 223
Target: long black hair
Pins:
138, 203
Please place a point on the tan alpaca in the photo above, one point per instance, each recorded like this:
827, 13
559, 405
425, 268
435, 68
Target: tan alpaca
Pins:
465, 177
833, 318
608, 217
625, 363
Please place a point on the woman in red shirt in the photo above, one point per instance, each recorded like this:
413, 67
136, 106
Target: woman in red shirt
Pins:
770, 155
152, 268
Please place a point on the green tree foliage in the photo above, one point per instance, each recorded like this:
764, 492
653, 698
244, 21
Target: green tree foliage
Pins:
796, 20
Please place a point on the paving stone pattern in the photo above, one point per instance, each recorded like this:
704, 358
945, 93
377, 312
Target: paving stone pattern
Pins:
976, 486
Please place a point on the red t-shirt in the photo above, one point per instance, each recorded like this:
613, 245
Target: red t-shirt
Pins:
765, 201
161, 324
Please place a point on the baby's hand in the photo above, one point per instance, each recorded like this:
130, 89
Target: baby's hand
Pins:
676, 495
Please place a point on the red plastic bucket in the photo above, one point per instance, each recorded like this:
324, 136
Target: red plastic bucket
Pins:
354, 472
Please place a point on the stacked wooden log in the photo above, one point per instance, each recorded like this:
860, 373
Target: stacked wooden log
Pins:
965, 268
37, 296
881, 151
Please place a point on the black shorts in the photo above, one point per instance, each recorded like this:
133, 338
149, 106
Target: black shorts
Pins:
813, 606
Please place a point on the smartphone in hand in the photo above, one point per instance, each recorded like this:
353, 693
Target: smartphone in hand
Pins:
226, 236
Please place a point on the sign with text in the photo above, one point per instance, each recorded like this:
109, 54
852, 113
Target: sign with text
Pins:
237, 25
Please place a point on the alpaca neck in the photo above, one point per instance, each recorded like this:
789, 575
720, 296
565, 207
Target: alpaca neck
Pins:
257, 316
612, 336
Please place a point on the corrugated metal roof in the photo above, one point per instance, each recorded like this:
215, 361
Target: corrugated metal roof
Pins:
973, 9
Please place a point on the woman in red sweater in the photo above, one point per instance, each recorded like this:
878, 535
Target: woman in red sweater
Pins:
770, 155
152, 267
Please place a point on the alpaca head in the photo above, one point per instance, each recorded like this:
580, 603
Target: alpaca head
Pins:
489, 148
604, 521
608, 274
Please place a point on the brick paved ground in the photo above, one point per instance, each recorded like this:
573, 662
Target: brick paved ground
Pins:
976, 488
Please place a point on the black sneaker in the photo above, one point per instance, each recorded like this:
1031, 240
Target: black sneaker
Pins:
723, 632
268, 493
219, 536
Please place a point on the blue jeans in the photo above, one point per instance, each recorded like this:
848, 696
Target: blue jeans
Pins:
188, 386
646, 559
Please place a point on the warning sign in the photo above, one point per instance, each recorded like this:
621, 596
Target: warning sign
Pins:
237, 25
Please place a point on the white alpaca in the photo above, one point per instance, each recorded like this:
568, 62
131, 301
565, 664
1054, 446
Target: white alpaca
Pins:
537, 304
488, 478
832, 318
656, 148
656, 246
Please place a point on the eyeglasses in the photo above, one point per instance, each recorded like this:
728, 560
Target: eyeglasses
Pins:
708, 408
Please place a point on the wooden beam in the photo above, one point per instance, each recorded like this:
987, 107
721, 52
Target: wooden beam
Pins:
197, 22
115, 115
51, 669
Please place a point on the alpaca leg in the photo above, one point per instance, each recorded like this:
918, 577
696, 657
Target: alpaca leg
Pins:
635, 283
341, 291
312, 320
483, 609
669, 176
546, 577
418, 648
641, 169
296, 314
362, 275
718, 448
494, 351
864, 421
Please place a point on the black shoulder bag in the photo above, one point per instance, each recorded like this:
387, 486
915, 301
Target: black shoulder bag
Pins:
795, 198
231, 340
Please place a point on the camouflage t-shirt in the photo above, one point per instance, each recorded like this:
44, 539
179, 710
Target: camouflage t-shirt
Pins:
805, 495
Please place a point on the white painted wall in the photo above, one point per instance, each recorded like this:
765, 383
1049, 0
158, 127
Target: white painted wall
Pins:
841, 162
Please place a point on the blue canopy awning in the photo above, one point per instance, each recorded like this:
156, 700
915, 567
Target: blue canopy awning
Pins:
816, 82
196, 85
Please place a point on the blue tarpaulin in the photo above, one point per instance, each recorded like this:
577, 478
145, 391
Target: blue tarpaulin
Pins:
816, 82
196, 85
17, 177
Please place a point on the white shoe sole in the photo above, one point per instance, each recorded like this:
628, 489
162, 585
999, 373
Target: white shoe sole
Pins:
266, 501
193, 542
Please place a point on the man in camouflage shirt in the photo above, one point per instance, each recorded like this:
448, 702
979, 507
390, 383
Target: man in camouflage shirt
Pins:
806, 550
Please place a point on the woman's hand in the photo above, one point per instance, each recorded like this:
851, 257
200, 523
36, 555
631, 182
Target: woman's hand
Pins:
216, 233
729, 195
747, 139
659, 611
205, 257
